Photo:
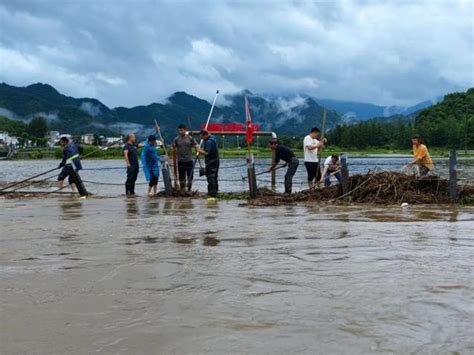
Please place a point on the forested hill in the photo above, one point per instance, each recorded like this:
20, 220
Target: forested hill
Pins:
450, 123
290, 116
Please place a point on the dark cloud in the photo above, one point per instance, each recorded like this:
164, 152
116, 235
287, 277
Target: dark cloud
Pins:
135, 52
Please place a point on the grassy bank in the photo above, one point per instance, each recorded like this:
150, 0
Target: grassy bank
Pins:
116, 153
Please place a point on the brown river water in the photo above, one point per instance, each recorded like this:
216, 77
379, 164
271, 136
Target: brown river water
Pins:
179, 276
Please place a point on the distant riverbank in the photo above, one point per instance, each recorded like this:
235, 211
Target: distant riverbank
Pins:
115, 153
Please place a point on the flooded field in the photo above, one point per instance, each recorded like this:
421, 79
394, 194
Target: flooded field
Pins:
160, 276
107, 177
143, 275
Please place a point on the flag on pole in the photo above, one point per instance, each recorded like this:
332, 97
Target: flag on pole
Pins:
248, 122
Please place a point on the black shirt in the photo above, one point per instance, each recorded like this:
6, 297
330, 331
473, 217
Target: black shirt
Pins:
132, 154
283, 153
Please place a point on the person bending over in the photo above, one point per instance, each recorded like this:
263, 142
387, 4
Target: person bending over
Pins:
332, 166
421, 156
285, 154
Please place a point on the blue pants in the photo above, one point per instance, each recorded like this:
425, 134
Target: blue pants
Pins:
327, 178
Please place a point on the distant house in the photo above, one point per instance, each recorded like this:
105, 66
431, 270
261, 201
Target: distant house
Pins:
7, 140
88, 138
53, 138
110, 140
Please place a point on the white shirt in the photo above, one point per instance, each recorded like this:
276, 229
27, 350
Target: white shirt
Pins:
310, 155
331, 167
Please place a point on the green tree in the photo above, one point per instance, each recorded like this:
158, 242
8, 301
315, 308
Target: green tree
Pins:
37, 128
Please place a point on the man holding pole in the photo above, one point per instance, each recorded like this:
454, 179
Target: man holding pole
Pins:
71, 156
183, 145
211, 156
311, 146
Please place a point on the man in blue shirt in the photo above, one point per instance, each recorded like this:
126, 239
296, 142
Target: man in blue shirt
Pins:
71, 164
211, 157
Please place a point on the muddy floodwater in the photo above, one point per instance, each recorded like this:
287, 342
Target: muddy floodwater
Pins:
160, 276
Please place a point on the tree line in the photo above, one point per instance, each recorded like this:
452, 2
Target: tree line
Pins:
35, 131
447, 124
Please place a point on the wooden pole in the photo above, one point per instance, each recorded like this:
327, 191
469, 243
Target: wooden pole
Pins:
251, 175
453, 191
273, 172
345, 174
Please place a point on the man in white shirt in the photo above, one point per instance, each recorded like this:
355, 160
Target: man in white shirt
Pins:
332, 166
311, 146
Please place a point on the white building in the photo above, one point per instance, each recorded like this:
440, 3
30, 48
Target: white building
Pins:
88, 138
6, 139
53, 138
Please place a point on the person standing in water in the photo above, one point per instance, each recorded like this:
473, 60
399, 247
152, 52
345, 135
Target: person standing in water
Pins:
311, 145
71, 164
151, 164
285, 154
130, 155
183, 144
421, 156
211, 157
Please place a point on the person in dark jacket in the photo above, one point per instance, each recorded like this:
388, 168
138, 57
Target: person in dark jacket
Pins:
71, 164
285, 154
211, 157
131, 159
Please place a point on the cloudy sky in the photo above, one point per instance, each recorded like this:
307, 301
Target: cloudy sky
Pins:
136, 52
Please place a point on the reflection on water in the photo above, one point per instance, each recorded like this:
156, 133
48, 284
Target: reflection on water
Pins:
133, 210
145, 276
71, 209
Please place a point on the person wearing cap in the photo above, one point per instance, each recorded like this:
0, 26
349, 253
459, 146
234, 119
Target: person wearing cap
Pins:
211, 157
131, 159
311, 145
421, 156
285, 154
183, 144
71, 164
151, 164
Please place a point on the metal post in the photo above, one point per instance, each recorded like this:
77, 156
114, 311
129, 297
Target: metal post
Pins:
165, 172
251, 176
453, 190
273, 172
345, 174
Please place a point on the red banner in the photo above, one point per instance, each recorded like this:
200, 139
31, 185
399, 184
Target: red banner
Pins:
229, 127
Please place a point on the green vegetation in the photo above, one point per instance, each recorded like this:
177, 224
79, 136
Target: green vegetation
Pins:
449, 123
35, 131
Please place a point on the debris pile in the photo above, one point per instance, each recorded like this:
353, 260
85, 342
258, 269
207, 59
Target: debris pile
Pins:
379, 188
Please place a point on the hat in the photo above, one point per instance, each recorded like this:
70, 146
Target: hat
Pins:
152, 138
204, 132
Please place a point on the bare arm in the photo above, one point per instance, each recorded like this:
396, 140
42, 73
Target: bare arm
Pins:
127, 161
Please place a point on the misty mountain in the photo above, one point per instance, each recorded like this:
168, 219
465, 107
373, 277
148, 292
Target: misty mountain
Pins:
286, 116
360, 111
